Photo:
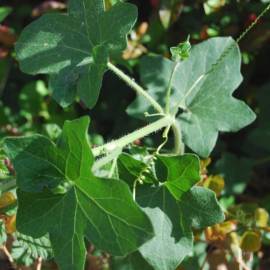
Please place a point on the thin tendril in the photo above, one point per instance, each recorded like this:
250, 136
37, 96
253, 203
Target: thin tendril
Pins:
253, 24
243, 34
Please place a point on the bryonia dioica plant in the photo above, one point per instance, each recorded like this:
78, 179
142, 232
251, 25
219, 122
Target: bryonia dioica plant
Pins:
141, 206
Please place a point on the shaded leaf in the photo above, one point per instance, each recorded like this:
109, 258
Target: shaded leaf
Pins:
200, 208
74, 47
163, 252
257, 143
235, 171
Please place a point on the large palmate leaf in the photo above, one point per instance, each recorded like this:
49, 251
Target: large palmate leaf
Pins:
175, 207
202, 88
59, 195
74, 47
173, 239
163, 252
198, 208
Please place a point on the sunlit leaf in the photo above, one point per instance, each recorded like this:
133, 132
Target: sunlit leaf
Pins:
251, 241
202, 92
261, 217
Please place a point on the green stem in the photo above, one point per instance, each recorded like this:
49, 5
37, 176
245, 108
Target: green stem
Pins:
182, 103
107, 159
179, 147
253, 24
139, 90
169, 89
138, 134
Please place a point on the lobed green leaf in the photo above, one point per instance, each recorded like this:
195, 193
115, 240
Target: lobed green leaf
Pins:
74, 48
202, 92
59, 195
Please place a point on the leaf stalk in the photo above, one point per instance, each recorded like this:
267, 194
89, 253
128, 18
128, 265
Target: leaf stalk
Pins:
179, 147
138, 134
135, 86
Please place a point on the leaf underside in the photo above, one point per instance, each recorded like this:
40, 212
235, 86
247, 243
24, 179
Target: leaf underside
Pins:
201, 95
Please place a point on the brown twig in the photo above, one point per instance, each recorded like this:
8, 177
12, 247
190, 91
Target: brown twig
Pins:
240, 261
39, 263
7, 254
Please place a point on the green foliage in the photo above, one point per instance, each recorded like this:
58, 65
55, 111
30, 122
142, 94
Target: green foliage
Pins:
4, 12
196, 207
132, 170
258, 139
3, 235
236, 172
59, 183
129, 207
202, 91
75, 59
182, 173
3, 169
163, 252
32, 100
200, 208
25, 249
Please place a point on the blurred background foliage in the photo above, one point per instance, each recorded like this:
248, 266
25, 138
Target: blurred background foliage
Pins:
239, 168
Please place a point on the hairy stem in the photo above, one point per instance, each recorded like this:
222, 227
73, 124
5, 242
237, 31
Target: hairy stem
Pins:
182, 103
251, 26
107, 159
169, 89
179, 147
139, 90
138, 134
